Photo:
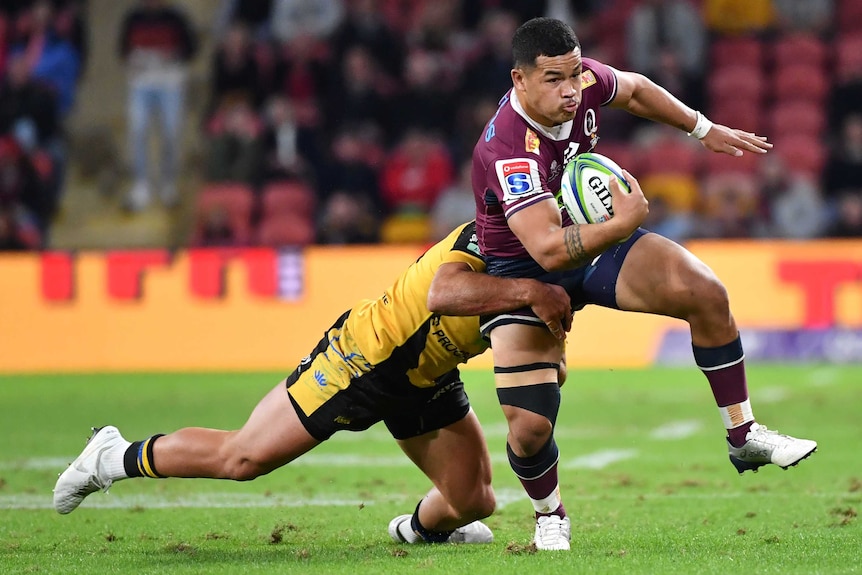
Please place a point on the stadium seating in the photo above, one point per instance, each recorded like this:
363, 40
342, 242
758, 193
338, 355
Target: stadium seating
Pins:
730, 51
236, 199
671, 156
738, 112
848, 55
717, 163
799, 49
796, 117
801, 81
743, 81
802, 153
287, 214
848, 15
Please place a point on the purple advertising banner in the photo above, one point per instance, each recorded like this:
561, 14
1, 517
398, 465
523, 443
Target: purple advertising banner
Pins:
831, 345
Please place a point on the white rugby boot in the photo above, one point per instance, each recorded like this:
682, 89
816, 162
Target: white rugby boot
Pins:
90, 472
764, 446
553, 533
475, 532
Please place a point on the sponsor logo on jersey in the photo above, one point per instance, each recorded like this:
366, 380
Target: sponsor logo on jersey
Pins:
531, 142
519, 177
591, 127
570, 152
554, 171
587, 79
446, 343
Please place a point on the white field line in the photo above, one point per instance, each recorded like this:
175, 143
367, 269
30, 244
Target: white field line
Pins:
599, 459
227, 500
772, 394
675, 430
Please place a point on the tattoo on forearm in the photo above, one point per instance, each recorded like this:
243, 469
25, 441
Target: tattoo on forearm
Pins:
574, 244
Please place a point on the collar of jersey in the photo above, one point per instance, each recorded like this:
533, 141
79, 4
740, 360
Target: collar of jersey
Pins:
561, 132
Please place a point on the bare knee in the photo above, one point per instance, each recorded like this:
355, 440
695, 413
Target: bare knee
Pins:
239, 464
479, 503
528, 431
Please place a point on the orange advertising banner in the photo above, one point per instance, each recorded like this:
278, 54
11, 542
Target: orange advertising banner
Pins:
261, 309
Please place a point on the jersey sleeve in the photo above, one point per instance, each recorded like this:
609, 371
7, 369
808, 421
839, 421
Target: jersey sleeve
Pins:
603, 77
465, 249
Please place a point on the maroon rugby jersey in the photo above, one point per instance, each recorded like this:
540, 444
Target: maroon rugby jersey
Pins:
518, 162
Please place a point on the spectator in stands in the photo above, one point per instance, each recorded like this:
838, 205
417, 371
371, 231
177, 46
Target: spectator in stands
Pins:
216, 229
28, 113
22, 191
738, 17
791, 203
487, 72
455, 205
666, 41
156, 44
70, 24
415, 174
235, 69
11, 238
234, 135
303, 74
425, 89
290, 150
317, 18
730, 206
254, 14
364, 26
848, 222
844, 167
356, 98
806, 16
49, 57
352, 206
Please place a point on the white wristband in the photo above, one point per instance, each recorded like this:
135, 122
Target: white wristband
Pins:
701, 127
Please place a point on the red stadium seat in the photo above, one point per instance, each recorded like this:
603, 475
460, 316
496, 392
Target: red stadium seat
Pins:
718, 163
288, 197
730, 51
801, 82
671, 156
802, 154
739, 81
801, 49
622, 153
236, 199
286, 229
848, 15
848, 56
738, 113
797, 117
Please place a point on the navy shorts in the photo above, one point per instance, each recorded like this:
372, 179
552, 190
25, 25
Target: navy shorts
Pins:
595, 283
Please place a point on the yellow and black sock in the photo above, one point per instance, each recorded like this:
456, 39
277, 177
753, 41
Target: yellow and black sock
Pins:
138, 459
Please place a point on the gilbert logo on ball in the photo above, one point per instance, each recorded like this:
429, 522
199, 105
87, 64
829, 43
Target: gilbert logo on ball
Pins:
585, 187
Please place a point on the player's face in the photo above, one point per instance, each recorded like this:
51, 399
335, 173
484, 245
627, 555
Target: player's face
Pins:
550, 92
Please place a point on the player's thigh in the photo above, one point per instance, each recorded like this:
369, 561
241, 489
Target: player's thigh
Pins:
660, 276
455, 458
524, 355
273, 434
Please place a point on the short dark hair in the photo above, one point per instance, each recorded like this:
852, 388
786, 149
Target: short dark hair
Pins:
542, 37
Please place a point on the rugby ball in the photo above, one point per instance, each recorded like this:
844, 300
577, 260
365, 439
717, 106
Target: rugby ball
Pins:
585, 190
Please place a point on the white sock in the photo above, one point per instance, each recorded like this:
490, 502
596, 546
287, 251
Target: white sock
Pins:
112, 462
548, 504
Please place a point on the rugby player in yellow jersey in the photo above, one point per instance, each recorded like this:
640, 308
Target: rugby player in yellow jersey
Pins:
388, 359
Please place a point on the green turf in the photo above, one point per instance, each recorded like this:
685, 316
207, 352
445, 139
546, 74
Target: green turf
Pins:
674, 505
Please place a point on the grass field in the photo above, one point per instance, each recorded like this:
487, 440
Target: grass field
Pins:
644, 475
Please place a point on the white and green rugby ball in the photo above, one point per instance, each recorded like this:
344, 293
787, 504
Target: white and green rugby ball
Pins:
585, 190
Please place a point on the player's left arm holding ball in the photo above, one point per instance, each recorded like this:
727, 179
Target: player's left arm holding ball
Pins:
642, 97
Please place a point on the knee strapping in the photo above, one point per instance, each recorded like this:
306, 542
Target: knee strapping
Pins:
542, 399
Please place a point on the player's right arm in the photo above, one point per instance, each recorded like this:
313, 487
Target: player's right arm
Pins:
554, 247
460, 291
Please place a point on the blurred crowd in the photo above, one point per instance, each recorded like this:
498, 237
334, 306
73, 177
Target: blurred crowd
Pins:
353, 121
43, 50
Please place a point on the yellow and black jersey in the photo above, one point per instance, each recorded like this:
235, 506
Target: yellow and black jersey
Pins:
397, 329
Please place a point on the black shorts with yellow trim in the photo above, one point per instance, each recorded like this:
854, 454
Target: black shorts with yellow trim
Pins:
335, 389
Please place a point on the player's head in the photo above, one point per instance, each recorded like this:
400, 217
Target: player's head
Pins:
547, 69
542, 37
